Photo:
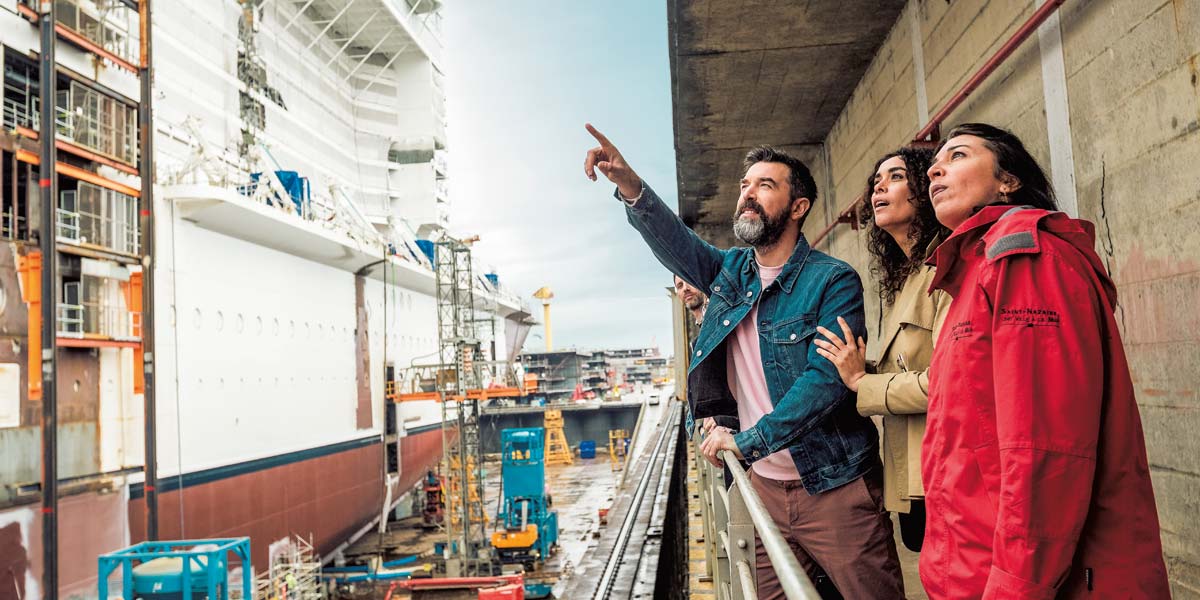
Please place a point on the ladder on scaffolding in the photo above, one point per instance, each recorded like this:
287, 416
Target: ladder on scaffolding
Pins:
460, 356
558, 452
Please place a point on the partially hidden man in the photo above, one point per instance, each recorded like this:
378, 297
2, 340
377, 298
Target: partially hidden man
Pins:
755, 371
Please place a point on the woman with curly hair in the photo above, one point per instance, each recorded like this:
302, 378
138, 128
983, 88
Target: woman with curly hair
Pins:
903, 231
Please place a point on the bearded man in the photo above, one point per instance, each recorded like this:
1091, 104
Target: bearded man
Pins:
693, 299
814, 460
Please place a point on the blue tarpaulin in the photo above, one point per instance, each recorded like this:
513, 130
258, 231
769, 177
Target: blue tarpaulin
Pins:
427, 247
296, 187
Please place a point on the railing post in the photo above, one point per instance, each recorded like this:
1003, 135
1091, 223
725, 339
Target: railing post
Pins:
706, 502
715, 517
720, 501
741, 544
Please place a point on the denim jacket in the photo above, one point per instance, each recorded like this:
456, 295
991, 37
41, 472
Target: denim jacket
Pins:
814, 414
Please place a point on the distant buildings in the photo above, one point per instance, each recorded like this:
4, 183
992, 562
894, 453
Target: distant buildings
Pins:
566, 374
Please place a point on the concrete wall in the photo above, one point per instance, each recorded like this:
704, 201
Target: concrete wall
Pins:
1134, 133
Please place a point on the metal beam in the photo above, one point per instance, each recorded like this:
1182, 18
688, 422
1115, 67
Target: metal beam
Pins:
368, 55
298, 15
327, 27
351, 40
146, 224
47, 186
385, 68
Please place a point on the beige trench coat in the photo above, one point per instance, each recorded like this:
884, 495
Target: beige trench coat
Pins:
899, 388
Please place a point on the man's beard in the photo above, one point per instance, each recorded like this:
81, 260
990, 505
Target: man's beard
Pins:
762, 232
695, 302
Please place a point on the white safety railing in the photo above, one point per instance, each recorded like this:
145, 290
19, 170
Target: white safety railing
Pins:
732, 517
114, 322
68, 225
70, 320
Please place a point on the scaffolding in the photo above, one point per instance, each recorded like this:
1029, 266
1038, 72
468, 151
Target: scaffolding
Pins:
558, 452
294, 574
458, 341
463, 381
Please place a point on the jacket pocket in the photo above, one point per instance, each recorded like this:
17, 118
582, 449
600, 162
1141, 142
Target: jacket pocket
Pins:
912, 348
794, 330
988, 460
789, 340
724, 288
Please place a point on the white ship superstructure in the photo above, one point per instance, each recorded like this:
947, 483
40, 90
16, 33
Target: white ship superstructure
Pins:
300, 157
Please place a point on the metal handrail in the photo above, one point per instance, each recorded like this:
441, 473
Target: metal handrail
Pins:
70, 320
68, 225
732, 517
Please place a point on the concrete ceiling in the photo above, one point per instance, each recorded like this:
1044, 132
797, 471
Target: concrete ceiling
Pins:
760, 72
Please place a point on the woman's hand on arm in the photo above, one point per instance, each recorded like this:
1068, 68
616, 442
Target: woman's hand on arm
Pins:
846, 353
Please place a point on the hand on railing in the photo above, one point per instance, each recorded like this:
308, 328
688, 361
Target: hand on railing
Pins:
741, 516
719, 439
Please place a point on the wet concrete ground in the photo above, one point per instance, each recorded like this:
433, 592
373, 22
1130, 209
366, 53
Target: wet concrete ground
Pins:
578, 492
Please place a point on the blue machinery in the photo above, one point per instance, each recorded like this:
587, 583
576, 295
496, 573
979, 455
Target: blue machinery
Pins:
177, 570
530, 530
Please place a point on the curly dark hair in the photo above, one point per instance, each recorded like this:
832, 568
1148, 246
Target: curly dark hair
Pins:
889, 264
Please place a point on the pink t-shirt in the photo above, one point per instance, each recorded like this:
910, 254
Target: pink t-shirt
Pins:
748, 382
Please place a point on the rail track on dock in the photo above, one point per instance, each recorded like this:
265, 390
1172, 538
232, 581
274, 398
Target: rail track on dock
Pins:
623, 565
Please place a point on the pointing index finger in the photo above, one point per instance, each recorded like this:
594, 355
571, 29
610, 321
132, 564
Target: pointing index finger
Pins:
599, 136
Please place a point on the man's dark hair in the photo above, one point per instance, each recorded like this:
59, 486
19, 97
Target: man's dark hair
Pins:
800, 180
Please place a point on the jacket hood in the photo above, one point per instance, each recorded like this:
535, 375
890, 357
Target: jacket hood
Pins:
1006, 230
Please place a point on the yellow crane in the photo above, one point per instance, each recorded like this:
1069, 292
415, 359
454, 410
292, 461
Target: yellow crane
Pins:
545, 295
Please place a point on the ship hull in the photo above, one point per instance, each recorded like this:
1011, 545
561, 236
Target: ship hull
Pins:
325, 494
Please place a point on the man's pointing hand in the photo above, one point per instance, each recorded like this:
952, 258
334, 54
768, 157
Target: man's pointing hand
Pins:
612, 165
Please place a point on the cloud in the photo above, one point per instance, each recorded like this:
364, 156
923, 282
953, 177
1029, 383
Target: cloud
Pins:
523, 78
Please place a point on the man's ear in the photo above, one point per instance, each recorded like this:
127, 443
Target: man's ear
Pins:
800, 207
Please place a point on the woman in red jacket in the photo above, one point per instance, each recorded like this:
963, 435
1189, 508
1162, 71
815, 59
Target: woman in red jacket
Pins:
1034, 462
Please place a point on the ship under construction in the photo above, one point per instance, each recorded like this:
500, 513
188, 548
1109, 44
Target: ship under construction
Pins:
243, 357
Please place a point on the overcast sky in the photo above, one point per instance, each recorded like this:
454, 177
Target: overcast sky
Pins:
523, 78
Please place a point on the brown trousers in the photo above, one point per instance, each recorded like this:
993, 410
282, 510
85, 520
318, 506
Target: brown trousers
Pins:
844, 531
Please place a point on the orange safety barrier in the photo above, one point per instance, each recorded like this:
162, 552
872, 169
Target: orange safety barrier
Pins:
80, 151
29, 268
133, 299
74, 37
80, 174
415, 396
472, 394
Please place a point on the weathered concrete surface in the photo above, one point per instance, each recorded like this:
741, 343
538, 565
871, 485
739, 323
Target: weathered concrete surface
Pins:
1131, 78
749, 72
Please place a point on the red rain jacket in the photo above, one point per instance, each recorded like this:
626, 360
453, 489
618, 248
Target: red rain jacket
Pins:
1034, 462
